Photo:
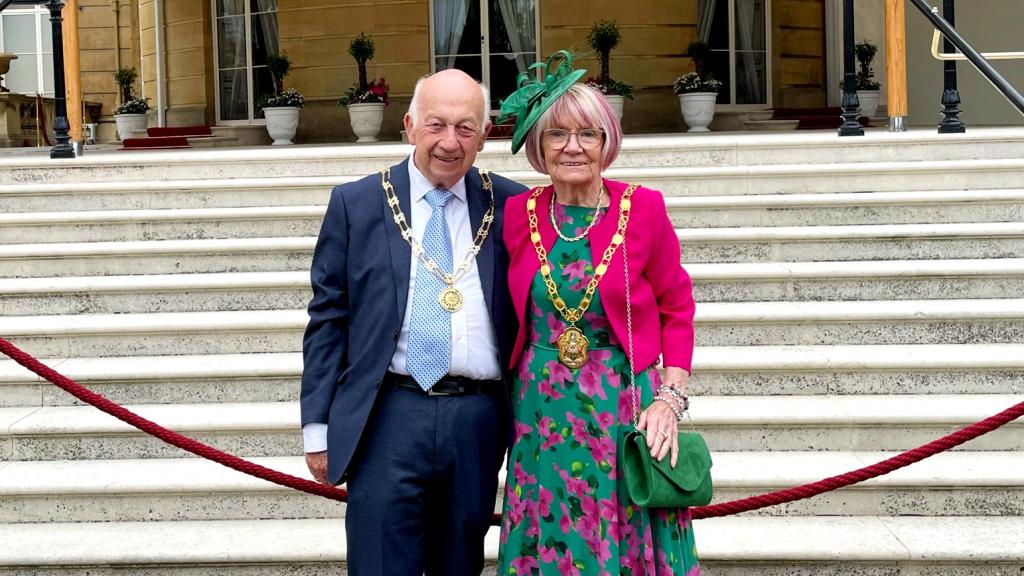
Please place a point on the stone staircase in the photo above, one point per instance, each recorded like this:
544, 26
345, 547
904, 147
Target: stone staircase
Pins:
858, 297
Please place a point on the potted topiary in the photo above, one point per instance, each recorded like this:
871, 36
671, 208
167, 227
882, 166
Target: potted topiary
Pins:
604, 36
697, 90
868, 91
281, 109
365, 100
130, 116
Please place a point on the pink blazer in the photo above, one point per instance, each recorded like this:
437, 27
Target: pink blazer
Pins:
660, 290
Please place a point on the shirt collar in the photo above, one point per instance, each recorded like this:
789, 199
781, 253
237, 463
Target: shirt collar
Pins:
419, 185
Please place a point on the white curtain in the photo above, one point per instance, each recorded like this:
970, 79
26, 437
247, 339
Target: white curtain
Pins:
449, 23
519, 17
235, 84
706, 14
750, 42
268, 23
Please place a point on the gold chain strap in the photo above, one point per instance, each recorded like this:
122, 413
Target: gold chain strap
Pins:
417, 249
573, 315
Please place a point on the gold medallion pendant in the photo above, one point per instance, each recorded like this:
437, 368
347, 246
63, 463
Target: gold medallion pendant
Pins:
450, 299
573, 348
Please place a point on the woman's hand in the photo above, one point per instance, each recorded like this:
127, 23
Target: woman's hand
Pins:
662, 431
660, 420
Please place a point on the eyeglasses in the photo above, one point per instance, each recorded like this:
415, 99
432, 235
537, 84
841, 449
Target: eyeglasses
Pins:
588, 138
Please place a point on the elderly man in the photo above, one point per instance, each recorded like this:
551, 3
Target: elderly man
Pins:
403, 395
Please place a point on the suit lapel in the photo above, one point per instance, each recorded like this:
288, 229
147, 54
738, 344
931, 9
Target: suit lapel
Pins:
401, 254
479, 201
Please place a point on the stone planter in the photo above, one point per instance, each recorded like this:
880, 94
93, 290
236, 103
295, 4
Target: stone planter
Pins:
868, 102
282, 122
616, 103
366, 120
129, 124
5, 67
698, 110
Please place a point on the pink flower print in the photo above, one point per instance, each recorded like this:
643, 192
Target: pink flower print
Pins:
605, 419
626, 405
558, 372
522, 429
525, 565
694, 571
523, 372
603, 551
590, 380
531, 514
566, 521
545, 388
575, 270
544, 502
551, 440
515, 509
534, 309
602, 449
522, 477
561, 215
556, 327
655, 377
566, 567
664, 567
579, 428
598, 322
547, 555
582, 284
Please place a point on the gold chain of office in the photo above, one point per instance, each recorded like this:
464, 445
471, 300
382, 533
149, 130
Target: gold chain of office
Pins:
573, 346
450, 298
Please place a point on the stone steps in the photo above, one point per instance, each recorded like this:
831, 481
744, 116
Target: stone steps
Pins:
874, 545
713, 282
717, 324
719, 370
702, 245
156, 490
694, 212
729, 423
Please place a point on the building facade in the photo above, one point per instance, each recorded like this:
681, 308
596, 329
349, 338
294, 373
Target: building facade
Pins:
204, 61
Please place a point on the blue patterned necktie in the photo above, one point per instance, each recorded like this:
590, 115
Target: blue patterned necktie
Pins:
428, 353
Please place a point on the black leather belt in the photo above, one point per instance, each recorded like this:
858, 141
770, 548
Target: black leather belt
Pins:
447, 386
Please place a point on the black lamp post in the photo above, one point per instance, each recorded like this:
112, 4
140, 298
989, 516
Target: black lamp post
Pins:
951, 123
62, 149
851, 104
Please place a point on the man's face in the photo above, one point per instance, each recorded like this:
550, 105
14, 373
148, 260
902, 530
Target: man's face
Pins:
447, 134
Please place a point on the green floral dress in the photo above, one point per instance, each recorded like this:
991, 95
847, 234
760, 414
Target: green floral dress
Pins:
565, 511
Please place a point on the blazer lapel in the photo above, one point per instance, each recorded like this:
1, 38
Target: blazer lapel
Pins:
479, 201
401, 254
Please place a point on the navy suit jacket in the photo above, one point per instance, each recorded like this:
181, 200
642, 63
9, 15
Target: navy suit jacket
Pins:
360, 279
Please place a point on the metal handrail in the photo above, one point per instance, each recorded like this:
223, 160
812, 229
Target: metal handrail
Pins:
972, 55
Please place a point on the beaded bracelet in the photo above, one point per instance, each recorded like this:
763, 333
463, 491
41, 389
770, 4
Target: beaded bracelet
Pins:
681, 396
672, 403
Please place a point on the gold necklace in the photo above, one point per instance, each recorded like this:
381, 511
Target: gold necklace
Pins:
450, 298
593, 220
573, 346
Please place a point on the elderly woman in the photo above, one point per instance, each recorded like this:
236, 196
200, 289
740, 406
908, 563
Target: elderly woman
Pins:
566, 510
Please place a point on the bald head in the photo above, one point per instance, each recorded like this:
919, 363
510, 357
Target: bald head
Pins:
450, 85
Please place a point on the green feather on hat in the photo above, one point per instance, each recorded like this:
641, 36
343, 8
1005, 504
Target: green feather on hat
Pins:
534, 97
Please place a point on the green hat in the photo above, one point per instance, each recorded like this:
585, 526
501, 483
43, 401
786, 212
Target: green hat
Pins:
534, 97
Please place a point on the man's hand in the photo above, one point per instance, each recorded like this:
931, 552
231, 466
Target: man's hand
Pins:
317, 463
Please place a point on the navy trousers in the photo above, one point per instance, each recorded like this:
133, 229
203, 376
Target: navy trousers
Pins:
423, 483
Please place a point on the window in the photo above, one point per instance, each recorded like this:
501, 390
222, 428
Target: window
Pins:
737, 31
27, 33
491, 40
245, 33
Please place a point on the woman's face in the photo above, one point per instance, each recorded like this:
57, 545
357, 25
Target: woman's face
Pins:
572, 154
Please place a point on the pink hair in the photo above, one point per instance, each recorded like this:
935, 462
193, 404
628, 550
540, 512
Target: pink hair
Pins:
578, 107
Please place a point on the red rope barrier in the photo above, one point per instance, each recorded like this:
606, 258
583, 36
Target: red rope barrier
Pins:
169, 436
723, 509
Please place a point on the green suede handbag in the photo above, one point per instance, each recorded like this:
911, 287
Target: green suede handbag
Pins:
656, 484
652, 483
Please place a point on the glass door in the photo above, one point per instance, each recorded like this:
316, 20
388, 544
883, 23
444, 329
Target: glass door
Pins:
737, 31
491, 40
245, 33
